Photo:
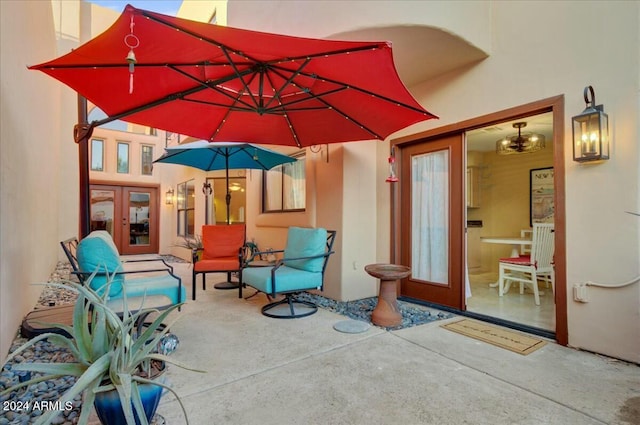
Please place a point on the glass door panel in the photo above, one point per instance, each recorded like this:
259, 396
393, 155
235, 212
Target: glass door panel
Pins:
139, 206
140, 220
103, 210
431, 213
129, 214
430, 217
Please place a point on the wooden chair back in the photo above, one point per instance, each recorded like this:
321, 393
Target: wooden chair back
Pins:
542, 246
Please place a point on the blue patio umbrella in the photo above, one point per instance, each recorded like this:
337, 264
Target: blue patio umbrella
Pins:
209, 156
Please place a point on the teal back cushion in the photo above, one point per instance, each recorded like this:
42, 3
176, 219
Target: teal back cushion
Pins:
94, 253
302, 242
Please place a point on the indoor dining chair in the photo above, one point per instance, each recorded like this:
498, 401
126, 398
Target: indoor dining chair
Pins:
528, 269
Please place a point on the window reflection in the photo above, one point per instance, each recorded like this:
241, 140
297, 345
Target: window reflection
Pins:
284, 187
186, 208
97, 155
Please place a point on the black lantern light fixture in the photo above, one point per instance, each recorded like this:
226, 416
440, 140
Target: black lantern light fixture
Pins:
590, 131
168, 199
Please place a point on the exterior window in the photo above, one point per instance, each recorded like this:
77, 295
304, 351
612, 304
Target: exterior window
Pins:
171, 139
147, 160
97, 155
283, 187
123, 158
186, 209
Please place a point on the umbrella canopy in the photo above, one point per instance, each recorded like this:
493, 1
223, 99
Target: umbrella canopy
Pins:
220, 83
219, 156
223, 156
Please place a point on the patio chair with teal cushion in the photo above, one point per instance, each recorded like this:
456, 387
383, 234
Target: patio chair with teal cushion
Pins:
301, 269
155, 288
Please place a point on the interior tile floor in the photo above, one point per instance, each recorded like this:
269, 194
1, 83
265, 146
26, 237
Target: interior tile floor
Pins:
512, 306
272, 371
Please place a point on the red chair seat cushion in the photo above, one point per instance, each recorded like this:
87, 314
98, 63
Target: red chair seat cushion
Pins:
523, 260
219, 264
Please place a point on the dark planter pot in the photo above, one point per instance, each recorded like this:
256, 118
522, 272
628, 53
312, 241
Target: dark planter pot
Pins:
109, 408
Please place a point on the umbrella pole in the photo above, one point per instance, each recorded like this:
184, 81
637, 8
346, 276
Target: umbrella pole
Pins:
228, 197
82, 134
228, 284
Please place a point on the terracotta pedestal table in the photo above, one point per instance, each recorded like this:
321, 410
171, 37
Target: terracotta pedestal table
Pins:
387, 313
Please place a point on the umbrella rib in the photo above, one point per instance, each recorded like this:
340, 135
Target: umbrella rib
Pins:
196, 35
173, 96
365, 91
148, 105
243, 150
213, 86
239, 77
289, 81
294, 133
372, 46
358, 123
125, 65
329, 106
213, 159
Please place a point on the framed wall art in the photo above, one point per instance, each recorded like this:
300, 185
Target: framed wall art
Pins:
542, 208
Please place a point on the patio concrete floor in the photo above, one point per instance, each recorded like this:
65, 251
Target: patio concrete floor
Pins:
270, 371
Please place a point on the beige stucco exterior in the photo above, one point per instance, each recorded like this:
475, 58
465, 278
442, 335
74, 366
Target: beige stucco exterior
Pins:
38, 198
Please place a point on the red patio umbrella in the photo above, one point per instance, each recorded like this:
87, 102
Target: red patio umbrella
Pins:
220, 83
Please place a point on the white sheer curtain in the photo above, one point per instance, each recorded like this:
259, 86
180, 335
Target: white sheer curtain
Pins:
430, 217
273, 192
294, 185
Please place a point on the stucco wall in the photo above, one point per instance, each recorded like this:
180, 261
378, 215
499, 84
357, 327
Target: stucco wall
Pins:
602, 241
525, 66
29, 162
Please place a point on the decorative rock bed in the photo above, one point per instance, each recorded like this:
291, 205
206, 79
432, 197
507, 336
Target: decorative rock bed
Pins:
412, 315
25, 405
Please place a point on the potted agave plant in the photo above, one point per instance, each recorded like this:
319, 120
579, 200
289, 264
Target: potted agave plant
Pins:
193, 244
114, 360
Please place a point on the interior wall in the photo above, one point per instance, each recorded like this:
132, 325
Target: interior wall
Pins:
504, 199
29, 162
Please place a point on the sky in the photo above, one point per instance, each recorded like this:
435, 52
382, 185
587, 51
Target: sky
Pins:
166, 7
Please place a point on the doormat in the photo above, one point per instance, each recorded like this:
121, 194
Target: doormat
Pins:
514, 341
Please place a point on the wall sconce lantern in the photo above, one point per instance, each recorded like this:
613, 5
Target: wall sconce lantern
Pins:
590, 131
168, 199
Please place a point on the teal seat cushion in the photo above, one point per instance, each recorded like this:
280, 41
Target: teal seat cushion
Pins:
288, 279
166, 285
107, 238
96, 254
303, 242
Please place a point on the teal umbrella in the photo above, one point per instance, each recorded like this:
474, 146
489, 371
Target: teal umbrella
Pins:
209, 156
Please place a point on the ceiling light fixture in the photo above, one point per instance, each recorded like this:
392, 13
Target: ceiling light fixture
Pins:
521, 142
